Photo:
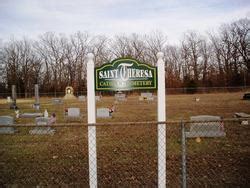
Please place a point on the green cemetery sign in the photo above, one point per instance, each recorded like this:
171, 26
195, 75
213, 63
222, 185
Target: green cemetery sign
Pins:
125, 74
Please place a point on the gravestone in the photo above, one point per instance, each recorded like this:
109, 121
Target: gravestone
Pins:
57, 101
8, 99
146, 97
244, 117
206, 126
81, 98
246, 96
241, 115
14, 96
73, 114
37, 101
7, 121
30, 115
98, 98
41, 121
42, 127
69, 93
103, 113
120, 96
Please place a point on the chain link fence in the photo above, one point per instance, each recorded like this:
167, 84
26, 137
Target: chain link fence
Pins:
217, 153
126, 155
37, 156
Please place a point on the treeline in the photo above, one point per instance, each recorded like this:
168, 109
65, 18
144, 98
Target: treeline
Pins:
54, 61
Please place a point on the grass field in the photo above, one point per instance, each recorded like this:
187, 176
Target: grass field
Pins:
178, 107
127, 154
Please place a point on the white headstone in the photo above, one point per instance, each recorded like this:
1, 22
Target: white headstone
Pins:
97, 98
8, 99
42, 121
241, 115
81, 98
57, 101
42, 127
31, 115
205, 118
120, 96
7, 120
206, 126
103, 113
74, 112
146, 96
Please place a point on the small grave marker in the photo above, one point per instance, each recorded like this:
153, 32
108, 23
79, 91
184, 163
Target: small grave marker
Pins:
7, 120
73, 114
30, 115
98, 98
103, 113
81, 98
57, 101
206, 126
242, 115
146, 96
8, 99
120, 96
42, 127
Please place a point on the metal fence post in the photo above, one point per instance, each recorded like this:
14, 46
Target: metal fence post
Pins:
161, 110
91, 106
183, 154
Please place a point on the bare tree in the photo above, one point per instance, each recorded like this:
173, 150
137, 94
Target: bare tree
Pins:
205, 53
241, 30
173, 66
155, 42
191, 46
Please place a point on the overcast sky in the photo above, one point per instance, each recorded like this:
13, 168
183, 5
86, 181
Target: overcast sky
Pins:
31, 18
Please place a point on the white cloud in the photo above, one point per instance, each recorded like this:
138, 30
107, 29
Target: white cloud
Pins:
110, 17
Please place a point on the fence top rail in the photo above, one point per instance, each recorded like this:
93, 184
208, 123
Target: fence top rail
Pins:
126, 123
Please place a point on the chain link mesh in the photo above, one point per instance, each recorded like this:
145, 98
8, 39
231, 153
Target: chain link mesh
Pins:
214, 159
126, 152
44, 159
126, 156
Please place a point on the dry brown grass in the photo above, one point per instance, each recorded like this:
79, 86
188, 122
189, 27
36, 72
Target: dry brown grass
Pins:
127, 154
133, 110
